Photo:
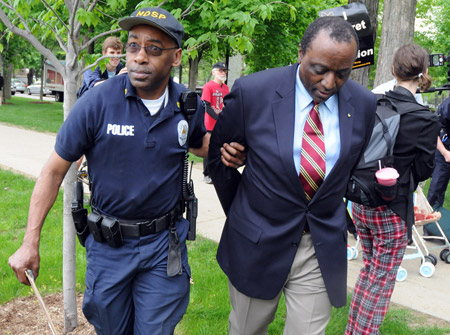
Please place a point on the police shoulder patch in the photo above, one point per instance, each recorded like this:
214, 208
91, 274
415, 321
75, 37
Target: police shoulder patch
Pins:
183, 129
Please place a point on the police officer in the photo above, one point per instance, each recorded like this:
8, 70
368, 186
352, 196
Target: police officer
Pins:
441, 173
134, 136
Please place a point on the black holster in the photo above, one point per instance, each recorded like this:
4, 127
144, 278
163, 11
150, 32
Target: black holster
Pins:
79, 213
191, 216
80, 220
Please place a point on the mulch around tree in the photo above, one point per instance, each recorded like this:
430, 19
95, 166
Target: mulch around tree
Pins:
25, 316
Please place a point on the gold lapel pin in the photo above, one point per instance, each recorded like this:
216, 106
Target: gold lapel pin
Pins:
349, 115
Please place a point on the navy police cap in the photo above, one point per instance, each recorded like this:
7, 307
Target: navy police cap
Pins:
220, 65
156, 17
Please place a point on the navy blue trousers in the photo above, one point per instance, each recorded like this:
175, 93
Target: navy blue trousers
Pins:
439, 181
128, 290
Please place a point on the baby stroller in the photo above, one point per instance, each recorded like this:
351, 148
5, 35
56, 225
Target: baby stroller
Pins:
417, 243
424, 215
440, 232
352, 251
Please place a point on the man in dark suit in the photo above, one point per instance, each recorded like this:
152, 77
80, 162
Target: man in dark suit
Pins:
275, 240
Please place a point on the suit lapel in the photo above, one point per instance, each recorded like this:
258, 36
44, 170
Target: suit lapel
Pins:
346, 116
284, 118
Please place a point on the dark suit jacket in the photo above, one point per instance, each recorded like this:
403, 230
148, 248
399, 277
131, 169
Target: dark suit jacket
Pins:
266, 207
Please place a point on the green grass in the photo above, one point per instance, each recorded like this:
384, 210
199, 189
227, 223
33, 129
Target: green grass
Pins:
30, 114
209, 305
15, 193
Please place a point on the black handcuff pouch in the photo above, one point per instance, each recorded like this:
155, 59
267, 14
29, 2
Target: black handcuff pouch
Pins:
111, 232
94, 221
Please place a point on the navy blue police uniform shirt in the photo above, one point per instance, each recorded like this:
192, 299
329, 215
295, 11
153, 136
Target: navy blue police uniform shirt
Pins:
134, 160
444, 118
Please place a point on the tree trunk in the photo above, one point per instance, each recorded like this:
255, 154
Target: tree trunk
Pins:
69, 262
7, 79
2, 73
361, 75
193, 73
397, 30
30, 76
91, 47
41, 89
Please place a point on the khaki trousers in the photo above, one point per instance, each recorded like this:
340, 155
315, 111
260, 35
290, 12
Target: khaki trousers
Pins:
308, 307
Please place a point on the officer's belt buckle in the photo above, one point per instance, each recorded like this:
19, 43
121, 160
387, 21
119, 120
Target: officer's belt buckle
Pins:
146, 227
154, 226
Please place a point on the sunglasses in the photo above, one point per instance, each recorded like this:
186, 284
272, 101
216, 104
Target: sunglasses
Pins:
151, 50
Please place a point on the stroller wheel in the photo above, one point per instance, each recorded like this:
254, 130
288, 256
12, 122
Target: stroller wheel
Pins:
355, 253
431, 258
351, 253
401, 274
444, 254
447, 259
427, 269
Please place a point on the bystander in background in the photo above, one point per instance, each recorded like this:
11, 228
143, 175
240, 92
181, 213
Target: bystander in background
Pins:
111, 46
212, 96
389, 86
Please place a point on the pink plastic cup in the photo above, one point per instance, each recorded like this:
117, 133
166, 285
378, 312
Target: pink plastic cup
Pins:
387, 176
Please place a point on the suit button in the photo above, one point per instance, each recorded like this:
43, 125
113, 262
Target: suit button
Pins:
308, 211
295, 244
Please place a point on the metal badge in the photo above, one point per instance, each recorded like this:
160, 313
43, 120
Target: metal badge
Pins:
183, 129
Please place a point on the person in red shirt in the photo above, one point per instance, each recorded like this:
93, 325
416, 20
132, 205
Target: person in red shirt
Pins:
212, 96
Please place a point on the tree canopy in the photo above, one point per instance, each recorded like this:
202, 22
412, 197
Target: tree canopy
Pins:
433, 33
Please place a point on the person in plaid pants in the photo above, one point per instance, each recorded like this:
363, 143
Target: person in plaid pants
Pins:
384, 230
383, 240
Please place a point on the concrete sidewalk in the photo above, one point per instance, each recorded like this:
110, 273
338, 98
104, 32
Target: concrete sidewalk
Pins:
27, 151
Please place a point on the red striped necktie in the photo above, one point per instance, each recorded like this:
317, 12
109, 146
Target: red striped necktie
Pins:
312, 169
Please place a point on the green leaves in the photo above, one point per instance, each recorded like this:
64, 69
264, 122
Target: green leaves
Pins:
90, 19
433, 33
230, 25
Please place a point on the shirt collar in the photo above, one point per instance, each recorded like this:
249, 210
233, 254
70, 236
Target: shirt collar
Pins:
130, 91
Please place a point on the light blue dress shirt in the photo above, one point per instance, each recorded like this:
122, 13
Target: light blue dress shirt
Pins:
329, 115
